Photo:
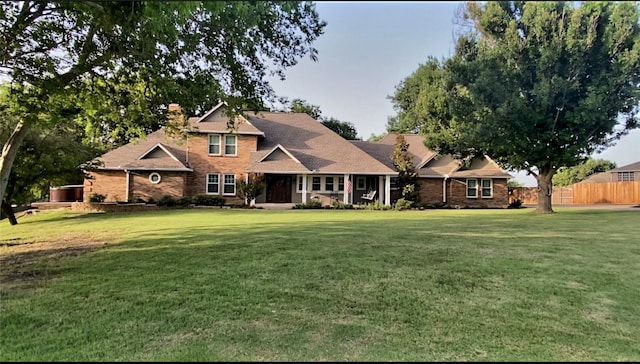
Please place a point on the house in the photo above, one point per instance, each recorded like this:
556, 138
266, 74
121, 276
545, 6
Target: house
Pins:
628, 173
300, 159
444, 180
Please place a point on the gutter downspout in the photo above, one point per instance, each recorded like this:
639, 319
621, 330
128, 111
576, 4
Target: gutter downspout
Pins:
444, 188
128, 185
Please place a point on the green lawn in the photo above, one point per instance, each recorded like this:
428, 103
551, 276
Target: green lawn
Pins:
316, 285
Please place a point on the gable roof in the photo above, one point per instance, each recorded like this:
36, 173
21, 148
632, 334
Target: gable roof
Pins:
598, 177
427, 163
633, 167
317, 148
215, 121
157, 151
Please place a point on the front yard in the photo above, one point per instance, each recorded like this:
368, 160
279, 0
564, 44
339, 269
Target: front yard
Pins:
317, 285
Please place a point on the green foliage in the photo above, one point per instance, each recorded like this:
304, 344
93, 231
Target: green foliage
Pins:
207, 200
302, 106
343, 128
402, 204
251, 189
515, 204
567, 176
514, 183
313, 204
96, 197
167, 201
377, 205
534, 85
407, 176
339, 205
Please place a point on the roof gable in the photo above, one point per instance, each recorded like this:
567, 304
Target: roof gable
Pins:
633, 167
215, 121
157, 151
278, 153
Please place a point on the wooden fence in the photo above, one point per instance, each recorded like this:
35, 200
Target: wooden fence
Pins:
620, 193
617, 193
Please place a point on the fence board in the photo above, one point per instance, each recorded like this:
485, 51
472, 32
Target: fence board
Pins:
620, 193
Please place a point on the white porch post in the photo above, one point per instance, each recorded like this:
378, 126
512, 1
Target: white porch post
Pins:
345, 193
304, 188
387, 190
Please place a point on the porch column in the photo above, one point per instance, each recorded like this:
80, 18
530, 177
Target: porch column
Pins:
387, 190
345, 192
304, 188
382, 195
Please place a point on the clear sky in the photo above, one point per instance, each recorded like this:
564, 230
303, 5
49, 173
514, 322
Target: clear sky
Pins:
368, 48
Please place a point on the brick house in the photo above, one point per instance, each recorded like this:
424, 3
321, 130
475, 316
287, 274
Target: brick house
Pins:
627, 173
299, 158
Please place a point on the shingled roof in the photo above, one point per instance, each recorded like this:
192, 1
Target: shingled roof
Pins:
157, 151
314, 147
426, 162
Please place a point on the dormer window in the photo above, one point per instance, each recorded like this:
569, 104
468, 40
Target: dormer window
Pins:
230, 144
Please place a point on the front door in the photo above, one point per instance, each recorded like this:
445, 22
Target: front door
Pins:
278, 189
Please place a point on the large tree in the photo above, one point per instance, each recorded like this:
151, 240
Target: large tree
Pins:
566, 176
193, 53
537, 85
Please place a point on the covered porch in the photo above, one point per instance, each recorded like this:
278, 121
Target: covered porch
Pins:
326, 188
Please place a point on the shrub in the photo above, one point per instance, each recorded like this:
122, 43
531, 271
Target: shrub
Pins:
138, 200
515, 204
183, 201
96, 197
250, 190
207, 200
313, 204
377, 205
167, 201
402, 204
341, 205
151, 200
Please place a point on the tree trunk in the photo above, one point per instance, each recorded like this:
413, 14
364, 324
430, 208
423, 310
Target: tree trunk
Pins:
9, 152
545, 190
6, 208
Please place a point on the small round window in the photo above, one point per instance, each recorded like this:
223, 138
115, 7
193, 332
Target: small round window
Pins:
154, 177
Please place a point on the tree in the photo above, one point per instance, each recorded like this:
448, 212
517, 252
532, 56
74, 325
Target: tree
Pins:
538, 85
250, 189
407, 176
192, 53
514, 183
343, 128
567, 176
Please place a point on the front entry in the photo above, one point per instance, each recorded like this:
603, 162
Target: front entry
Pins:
278, 189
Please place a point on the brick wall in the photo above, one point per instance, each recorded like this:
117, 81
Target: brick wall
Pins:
457, 194
171, 183
112, 184
430, 191
202, 163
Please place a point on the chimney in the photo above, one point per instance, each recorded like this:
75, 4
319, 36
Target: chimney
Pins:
175, 114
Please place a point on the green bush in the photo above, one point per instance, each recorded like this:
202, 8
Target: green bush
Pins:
207, 200
250, 190
96, 197
402, 204
184, 201
313, 204
515, 204
341, 205
138, 200
377, 205
167, 201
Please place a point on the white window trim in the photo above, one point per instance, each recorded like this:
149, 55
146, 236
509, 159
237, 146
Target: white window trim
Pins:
235, 144
338, 184
490, 188
155, 174
323, 183
206, 186
364, 183
467, 187
228, 184
626, 176
219, 144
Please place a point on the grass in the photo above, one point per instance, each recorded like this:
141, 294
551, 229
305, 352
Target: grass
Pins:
316, 285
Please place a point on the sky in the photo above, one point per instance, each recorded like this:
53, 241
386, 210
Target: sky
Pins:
368, 48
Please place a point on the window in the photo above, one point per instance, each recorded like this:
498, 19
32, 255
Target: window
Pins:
340, 183
154, 178
360, 183
229, 184
626, 176
214, 144
328, 183
315, 186
394, 183
213, 184
300, 180
472, 188
230, 144
487, 190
